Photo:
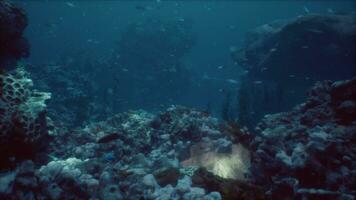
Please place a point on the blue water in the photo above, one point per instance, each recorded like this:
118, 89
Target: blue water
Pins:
64, 32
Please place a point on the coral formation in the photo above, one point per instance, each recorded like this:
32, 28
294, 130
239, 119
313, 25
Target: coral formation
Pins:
302, 44
286, 57
22, 115
132, 155
72, 90
13, 21
308, 152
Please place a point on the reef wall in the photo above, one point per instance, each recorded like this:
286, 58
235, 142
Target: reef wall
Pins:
286, 57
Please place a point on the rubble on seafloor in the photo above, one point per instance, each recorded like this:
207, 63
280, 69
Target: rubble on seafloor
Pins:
309, 152
135, 155
183, 153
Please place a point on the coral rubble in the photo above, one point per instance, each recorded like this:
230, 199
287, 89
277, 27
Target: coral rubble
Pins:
130, 156
310, 152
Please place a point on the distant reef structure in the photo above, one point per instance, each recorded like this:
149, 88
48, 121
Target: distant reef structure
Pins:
284, 58
315, 47
14, 46
149, 61
145, 71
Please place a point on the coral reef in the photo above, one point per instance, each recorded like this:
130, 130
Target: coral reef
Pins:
13, 21
73, 92
309, 152
302, 44
22, 116
132, 155
286, 57
183, 153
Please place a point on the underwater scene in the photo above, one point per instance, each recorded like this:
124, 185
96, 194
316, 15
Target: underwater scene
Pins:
170, 100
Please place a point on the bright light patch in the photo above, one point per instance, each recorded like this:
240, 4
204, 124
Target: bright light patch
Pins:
226, 165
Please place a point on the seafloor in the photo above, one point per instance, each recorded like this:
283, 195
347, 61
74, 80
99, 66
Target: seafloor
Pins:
181, 153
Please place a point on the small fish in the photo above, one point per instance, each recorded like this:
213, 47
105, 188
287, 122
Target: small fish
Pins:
306, 10
232, 27
109, 156
108, 138
110, 91
233, 49
220, 67
331, 11
206, 77
70, 4
305, 47
232, 81
143, 8
315, 30
264, 69
273, 50
93, 41
291, 76
258, 82
124, 70
244, 72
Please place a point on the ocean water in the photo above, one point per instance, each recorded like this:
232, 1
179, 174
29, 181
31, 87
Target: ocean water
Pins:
156, 99
81, 33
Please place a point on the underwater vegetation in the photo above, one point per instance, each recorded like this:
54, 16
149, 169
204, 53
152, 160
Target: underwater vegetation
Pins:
102, 132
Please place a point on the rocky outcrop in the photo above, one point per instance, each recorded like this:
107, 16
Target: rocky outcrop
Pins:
286, 57
310, 152
308, 48
13, 21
